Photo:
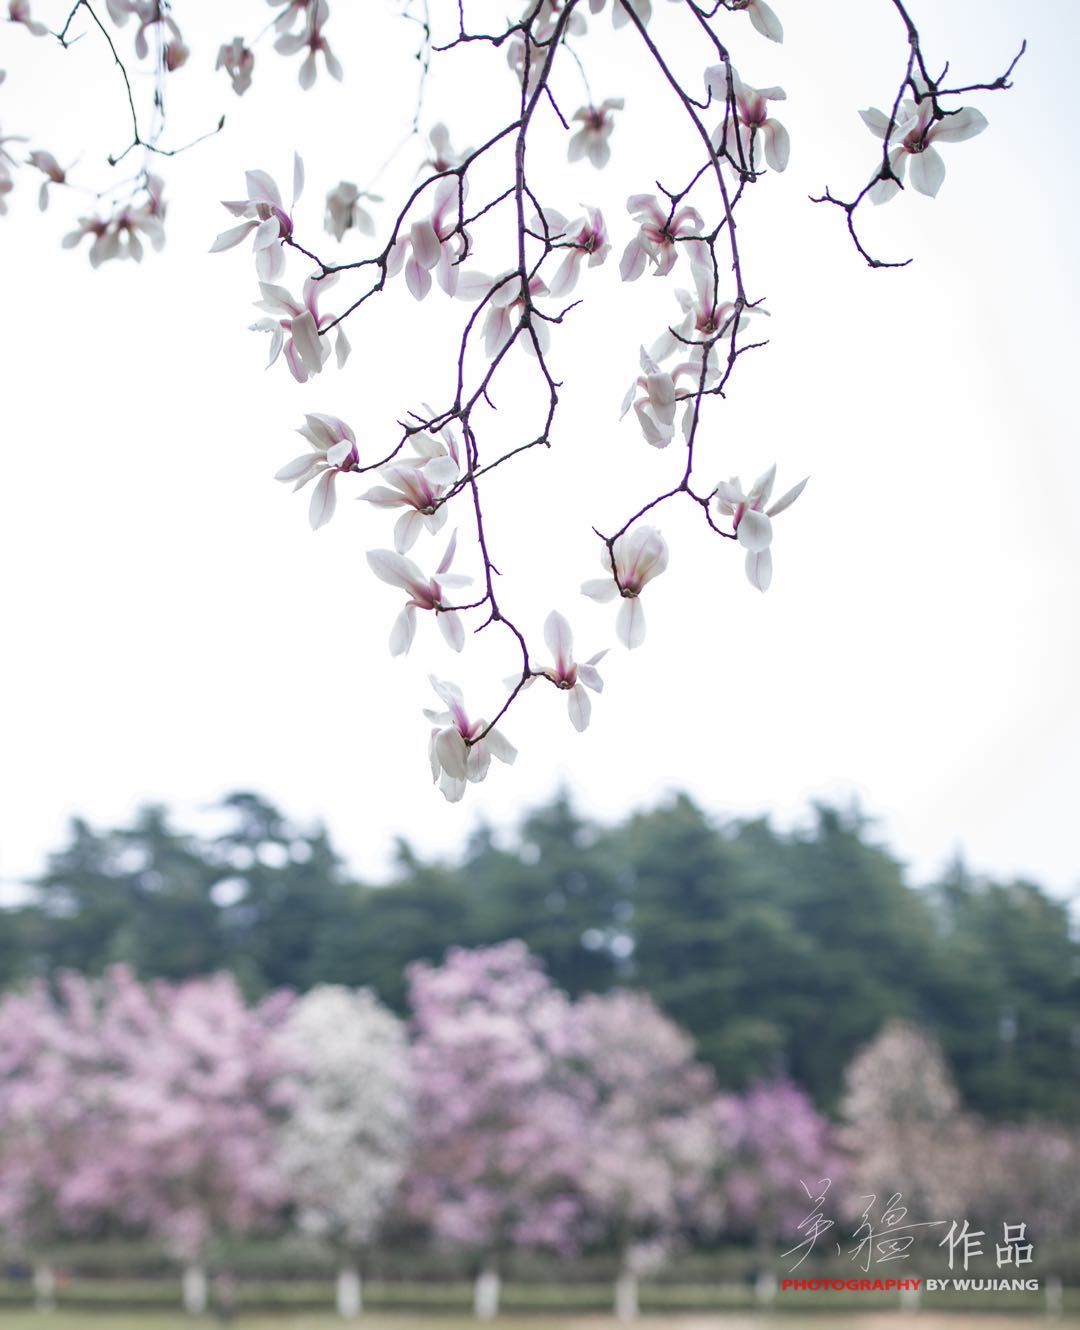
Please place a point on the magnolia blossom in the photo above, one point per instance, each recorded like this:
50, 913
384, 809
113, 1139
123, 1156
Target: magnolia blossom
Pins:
458, 755
121, 236
266, 217
506, 306
655, 240
635, 559
587, 240
591, 140
418, 484
545, 20
751, 520
238, 62
424, 594
310, 36
343, 210
761, 16
433, 243
704, 317
655, 408
333, 450
567, 674
443, 155
305, 351
918, 131
53, 171
19, 12
737, 134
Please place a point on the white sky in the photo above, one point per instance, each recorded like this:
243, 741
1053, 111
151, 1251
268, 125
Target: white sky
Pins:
174, 630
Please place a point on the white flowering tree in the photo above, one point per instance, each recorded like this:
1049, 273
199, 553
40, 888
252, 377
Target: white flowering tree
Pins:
493, 236
343, 1146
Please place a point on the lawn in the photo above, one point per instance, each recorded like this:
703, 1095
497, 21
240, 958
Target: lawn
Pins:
887, 1320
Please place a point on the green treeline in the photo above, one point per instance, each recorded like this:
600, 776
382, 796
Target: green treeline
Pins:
781, 953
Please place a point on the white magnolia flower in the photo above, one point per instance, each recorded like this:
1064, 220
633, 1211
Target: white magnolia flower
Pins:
433, 243
443, 156
591, 140
457, 754
588, 241
639, 555
301, 323
704, 317
238, 62
918, 131
659, 229
761, 16
121, 235
752, 520
343, 210
19, 12
567, 674
333, 451
655, 408
310, 36
266, 217
418, 484
505, 307
738, 134
54, 174
425, 593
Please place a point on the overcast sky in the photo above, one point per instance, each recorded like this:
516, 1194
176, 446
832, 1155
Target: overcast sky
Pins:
174, 630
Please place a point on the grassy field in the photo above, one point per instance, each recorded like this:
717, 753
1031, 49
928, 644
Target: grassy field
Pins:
63, 1320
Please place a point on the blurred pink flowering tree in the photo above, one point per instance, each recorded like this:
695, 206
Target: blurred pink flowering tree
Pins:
481, 228
651, 1141
503, 1141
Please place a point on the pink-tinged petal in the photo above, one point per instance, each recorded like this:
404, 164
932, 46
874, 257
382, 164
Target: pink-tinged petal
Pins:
297, 177
777, 144
452, 629
473, 285
452, 753
448, 692
300, 469
927, 171
297, 368
579, 706
270, 263
600, 588
755, 530
441, 471
403, 632
232, 236
478, 762
417, 279
262, 189
277, 300
307, 72
656, 434
382, 496
628, 400
730, 493
759, 568
425, 244
453, 791
323, 501
305, 336
333, 65
786, 500
396, 257
630, 622
877, 122
566, 274
589, 675
406, 530
765, 21
762, 487
965, 124
448, 558
395, 570
501, 747
266, 233
632, 263
446, 271
559, 639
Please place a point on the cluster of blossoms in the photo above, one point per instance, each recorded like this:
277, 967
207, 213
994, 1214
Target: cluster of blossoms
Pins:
429, 248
